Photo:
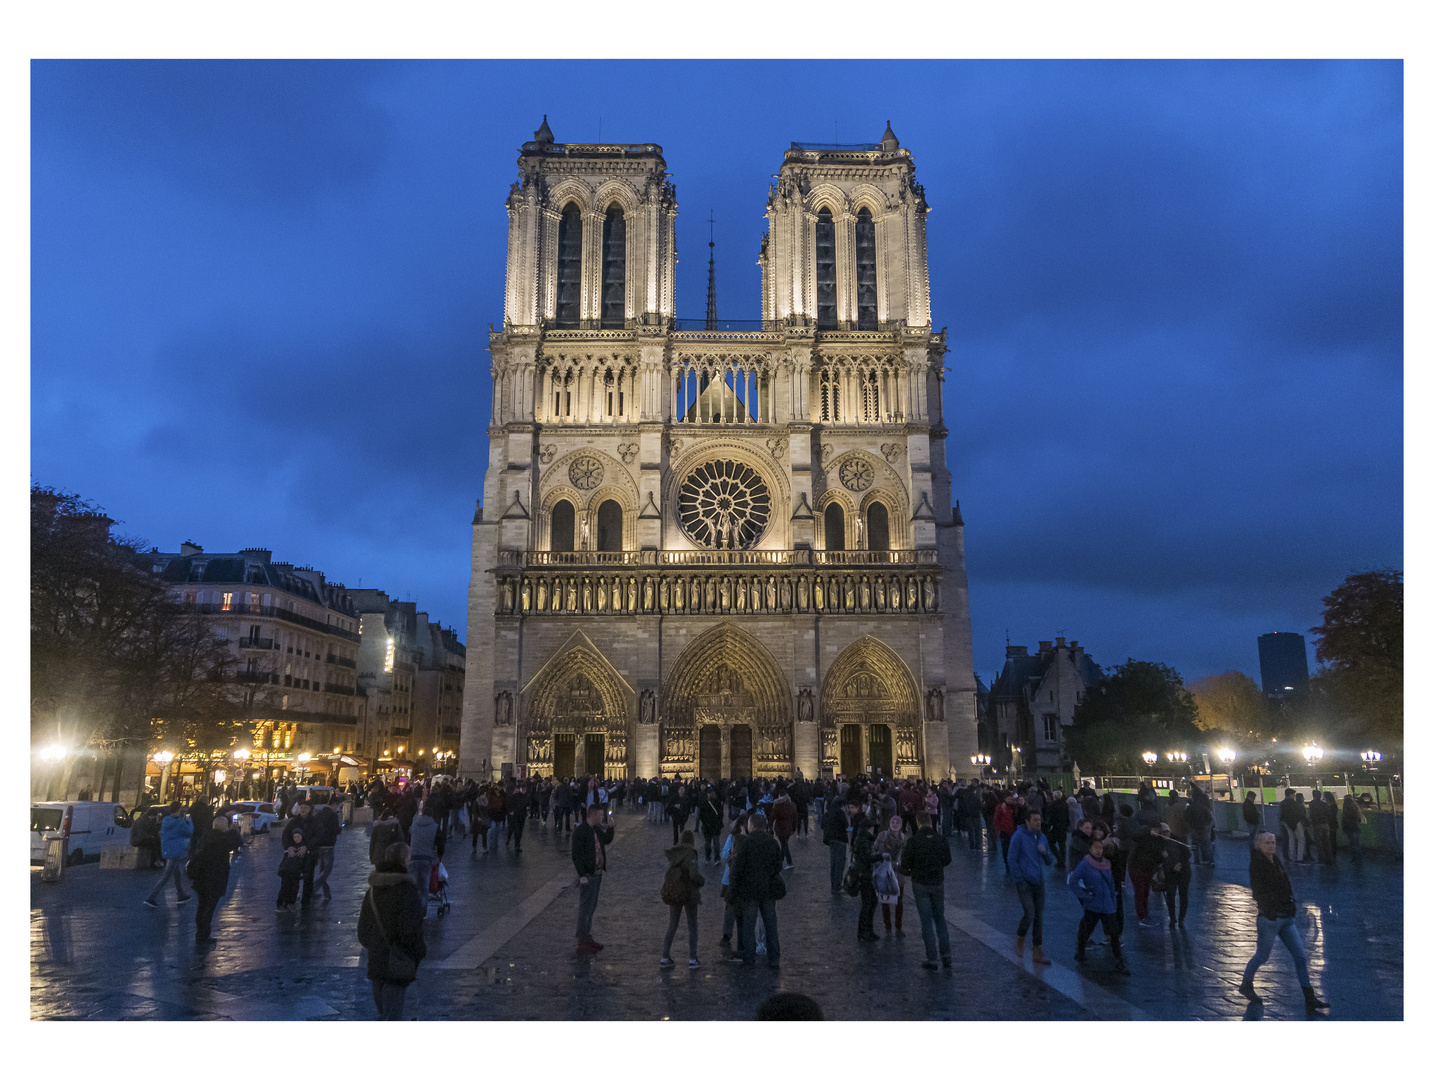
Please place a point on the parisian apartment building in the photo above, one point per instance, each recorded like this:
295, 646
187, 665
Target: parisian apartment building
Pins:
1032, 703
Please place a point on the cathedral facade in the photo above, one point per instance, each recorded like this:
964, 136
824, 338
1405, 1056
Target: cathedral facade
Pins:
717, 552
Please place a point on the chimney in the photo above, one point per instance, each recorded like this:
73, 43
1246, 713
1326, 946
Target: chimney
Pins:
1060, 643
189, 547
1045, 646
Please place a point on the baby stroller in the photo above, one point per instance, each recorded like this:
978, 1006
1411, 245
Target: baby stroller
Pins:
438, 888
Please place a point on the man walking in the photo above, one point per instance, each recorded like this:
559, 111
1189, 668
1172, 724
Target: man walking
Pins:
174, 834
755, 888
300, 823
211, 875
518, 806
423, 849
324, 828
1270, 885
1026, 861
834, 826
590, 840
924, 859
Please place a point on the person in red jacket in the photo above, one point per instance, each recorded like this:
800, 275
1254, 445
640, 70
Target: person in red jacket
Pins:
784, 822
1005, 822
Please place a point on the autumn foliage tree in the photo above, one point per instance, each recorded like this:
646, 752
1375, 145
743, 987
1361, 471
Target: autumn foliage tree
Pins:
1230, 703
1360, 649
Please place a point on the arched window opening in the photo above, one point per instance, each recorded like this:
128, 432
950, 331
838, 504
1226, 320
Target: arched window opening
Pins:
563, 518
570, 267
609, 526
826, 271
865, 270
831, 396
614, 269
609, 385
835, 527
878, 528
870, 399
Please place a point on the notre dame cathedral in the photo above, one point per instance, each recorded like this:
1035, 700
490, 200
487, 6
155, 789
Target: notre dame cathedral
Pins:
714, 550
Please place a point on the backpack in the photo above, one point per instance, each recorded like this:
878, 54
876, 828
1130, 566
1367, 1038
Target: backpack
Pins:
675, 889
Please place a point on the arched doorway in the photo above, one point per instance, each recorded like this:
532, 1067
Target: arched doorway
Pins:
726, 692
576, 720
870, 712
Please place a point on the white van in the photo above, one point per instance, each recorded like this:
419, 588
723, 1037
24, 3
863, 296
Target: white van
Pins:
89, 826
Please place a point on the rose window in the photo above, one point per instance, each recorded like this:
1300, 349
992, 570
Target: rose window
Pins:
585, 473
856, 474
724, 504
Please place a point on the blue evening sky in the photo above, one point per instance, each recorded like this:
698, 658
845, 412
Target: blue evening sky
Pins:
261, 294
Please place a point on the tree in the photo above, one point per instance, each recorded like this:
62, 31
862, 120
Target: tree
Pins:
1139, 705
1230, 702
1360, 649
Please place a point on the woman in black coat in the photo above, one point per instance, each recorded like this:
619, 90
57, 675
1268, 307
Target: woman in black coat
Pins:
391, 929
209, 871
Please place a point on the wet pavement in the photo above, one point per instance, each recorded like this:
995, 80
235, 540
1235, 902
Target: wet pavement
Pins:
505, 950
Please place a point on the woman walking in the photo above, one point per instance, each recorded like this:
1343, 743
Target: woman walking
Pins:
730, 847
1094, 886
1350, 821
890, 888
390, 927
291, 871
1176, 861
682, 891
1250, 812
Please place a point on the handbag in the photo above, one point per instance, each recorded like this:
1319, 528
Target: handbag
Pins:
851, 881
1158, 882
398, 966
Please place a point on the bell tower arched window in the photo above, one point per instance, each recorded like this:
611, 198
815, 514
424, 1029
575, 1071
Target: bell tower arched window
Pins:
878, 528
570, 268
865, 270
835, 522
563, 519
609, 526
826, 271
614, 269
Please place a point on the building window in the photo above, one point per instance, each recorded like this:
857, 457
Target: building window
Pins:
609, 525
878, 528
831, 396
228, 601
614, 269
826, 271
388, 656
835, 522
865, 270
561, 530
1051, 728
570, 266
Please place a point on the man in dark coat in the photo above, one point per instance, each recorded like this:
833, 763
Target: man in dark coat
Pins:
302, 822
924, 859
517, 805
201, 816
590, 840
755, 887
709, 819
391, 917
834, 823
209, 870
679, 807
324, 828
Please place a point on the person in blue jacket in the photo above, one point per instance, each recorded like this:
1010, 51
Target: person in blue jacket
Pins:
1094, 886
1026, 861
174, 834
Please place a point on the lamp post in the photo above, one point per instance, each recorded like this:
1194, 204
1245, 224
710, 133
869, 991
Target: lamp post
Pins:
981, 761
54, 753
303, 760
162, 758
241, 757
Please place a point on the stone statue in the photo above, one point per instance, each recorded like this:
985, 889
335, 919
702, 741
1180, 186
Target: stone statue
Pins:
935, 705
587, 595
602, 594
911, 594
647, 594
880, 594
710, 595
632, 594
801, 593
664, 595
502, 708
928, 593
865, 594
817, 593
771, 594
850, 595
542, 594
787, 595
741, 594
829, 745
647, 708
806, 712
527, 594
572, 594
895, 594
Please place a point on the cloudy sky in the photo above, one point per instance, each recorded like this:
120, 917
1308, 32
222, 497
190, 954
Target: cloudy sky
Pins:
1173, 291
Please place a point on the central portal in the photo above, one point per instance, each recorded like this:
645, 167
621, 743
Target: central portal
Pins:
741, 751
565, 755
851, 749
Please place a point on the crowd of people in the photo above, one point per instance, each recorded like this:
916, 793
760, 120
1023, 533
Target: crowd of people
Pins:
884, 838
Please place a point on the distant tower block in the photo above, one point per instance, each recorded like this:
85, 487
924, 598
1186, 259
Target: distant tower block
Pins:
1284, 664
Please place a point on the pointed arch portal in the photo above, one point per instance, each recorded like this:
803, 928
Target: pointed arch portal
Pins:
870, 713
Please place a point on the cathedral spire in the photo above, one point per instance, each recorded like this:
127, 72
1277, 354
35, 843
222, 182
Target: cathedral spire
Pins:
711, 273
544, 134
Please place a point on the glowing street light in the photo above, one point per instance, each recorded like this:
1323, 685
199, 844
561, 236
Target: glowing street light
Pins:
241, 755
1225, 754
1371, 758
163, 757
1312, 753
1177, 757
304, 757
53, 753
1150, 757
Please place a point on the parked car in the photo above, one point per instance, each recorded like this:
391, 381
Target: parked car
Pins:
315, 794
261, 815
89, 826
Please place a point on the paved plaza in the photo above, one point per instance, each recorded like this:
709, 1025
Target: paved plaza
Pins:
505, 951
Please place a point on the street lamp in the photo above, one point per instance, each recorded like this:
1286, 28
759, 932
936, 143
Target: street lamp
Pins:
1312, 753
53, 753
303, 760
981, 761
162, 758
1371, 758
1177, 757
1150, 757
1226, 755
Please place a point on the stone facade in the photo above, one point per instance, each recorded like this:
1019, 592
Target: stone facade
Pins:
709, 551
1033, 701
